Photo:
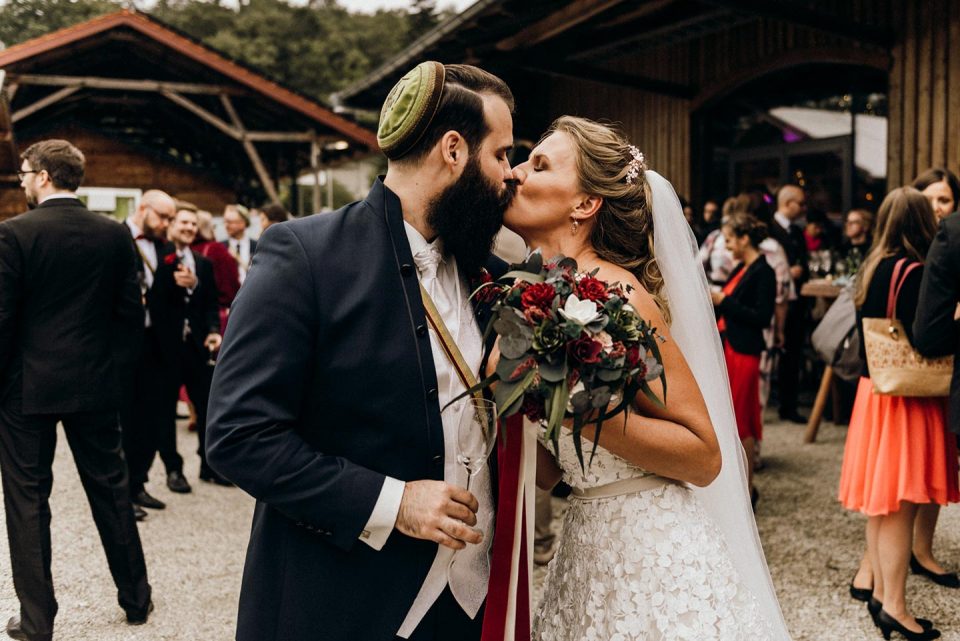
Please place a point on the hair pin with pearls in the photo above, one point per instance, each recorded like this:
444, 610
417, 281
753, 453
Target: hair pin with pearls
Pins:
635, 165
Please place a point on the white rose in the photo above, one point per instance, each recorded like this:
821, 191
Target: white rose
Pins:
579, 311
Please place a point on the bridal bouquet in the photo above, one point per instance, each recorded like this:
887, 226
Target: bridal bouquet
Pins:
571, 347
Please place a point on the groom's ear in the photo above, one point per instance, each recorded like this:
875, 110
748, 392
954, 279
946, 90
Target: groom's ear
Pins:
453, 150
587, 208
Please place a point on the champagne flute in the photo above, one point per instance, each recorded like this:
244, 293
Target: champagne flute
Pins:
476, 433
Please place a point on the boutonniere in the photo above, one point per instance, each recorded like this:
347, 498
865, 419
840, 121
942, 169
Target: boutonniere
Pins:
169, 259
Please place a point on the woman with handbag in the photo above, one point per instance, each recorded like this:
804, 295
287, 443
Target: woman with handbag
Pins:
897, 454
745, 305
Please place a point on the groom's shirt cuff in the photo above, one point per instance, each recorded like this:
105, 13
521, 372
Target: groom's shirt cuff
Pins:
384, 516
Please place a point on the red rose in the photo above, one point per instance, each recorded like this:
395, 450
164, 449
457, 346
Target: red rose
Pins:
533, 408
538, 295
633, 356
590, 288
169, 259
585, 350
617, 350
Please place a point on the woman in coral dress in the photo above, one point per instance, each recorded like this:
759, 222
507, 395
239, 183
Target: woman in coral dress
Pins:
898, 455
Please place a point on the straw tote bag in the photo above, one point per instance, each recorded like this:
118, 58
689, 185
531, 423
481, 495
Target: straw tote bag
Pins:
896, 369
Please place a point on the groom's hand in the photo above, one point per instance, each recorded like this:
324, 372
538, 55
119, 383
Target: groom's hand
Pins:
439, 512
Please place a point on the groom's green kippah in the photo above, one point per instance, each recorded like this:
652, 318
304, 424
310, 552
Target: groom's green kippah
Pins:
409, 108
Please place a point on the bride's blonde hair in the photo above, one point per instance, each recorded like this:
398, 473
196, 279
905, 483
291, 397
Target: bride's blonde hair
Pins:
623, 231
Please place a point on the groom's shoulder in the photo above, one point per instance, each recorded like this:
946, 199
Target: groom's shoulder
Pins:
316, 227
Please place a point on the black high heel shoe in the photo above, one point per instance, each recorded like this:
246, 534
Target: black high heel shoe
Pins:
874, 607
888, 625
947, 579
861, 594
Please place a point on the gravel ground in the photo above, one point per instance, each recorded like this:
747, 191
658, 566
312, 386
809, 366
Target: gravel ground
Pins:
195, 549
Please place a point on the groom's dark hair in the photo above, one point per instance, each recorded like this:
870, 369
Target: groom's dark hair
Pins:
461, 109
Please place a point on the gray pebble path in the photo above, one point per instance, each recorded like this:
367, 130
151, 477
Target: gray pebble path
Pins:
195, 549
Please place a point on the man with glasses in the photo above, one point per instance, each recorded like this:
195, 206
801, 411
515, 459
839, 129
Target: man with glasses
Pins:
791, 207
145, 432
70, 321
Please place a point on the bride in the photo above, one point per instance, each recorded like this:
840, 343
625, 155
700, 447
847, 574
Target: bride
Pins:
644, 555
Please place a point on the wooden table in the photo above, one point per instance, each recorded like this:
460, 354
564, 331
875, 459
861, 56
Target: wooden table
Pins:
820, 288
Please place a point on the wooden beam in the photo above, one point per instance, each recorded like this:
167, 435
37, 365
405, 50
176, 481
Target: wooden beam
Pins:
95, 82
33, 108
605, 76
202, 113
556, 23
800, 13
646, 9
279, 136
251, 150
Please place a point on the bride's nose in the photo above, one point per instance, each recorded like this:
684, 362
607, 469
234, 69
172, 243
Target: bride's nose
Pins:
520, 173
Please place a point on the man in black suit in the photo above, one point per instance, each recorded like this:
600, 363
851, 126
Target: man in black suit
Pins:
327, 393
144, 407
935, 330
188, 323
70, 319
791, 205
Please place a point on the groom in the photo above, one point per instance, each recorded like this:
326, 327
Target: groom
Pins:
327, 394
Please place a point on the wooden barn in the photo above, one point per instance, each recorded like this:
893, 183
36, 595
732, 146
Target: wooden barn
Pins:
846, 98
152, 108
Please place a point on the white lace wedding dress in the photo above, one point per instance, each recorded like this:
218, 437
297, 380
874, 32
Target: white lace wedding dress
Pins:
650, 565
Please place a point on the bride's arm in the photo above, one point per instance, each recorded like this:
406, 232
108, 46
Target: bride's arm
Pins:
676, 441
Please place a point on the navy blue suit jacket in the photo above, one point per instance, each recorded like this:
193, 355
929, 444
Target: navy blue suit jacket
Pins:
325, 385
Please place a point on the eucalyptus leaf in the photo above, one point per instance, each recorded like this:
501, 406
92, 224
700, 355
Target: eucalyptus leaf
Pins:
529, 277
554, 372
600, 397
515, 346
534, 262
607, 375
507, 400
567, 262
558, 405
580, 402
506, 366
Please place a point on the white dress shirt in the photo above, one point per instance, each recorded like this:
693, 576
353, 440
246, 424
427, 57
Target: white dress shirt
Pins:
782, 220
467, 571
148, 254
241, 251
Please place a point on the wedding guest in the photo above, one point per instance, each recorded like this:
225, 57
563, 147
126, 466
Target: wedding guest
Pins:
942, 189
190, 335
745, 306
791, 207
815, 232
236, 220
935, 334
897, 455
70, 322
716, 258
857, 235
271, 215
142, 407
225, 272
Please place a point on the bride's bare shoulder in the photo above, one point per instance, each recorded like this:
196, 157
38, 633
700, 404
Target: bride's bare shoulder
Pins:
640, 298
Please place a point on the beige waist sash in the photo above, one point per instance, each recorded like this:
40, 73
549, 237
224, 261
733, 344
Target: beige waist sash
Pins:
623, 487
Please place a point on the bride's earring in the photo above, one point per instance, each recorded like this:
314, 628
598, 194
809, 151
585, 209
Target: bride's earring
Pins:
575, 228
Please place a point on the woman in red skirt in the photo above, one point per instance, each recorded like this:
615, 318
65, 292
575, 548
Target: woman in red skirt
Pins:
898, 455
745, 306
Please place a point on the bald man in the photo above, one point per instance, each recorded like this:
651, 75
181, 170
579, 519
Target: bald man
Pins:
145, 432
791, 207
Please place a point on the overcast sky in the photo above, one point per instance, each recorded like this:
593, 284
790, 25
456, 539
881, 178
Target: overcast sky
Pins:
372, 5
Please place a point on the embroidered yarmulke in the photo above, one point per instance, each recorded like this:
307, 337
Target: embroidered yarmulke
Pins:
409, 108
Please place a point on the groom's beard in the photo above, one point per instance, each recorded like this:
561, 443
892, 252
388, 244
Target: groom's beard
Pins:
467, 215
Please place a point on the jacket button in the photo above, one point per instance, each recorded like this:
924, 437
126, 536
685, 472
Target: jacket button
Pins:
438, 460
406, 269
421, 330
432, 393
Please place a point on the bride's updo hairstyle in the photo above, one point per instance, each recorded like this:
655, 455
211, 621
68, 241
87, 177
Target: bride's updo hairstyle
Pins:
623, 231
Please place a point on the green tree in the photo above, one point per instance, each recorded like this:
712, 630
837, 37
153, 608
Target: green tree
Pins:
24, 19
